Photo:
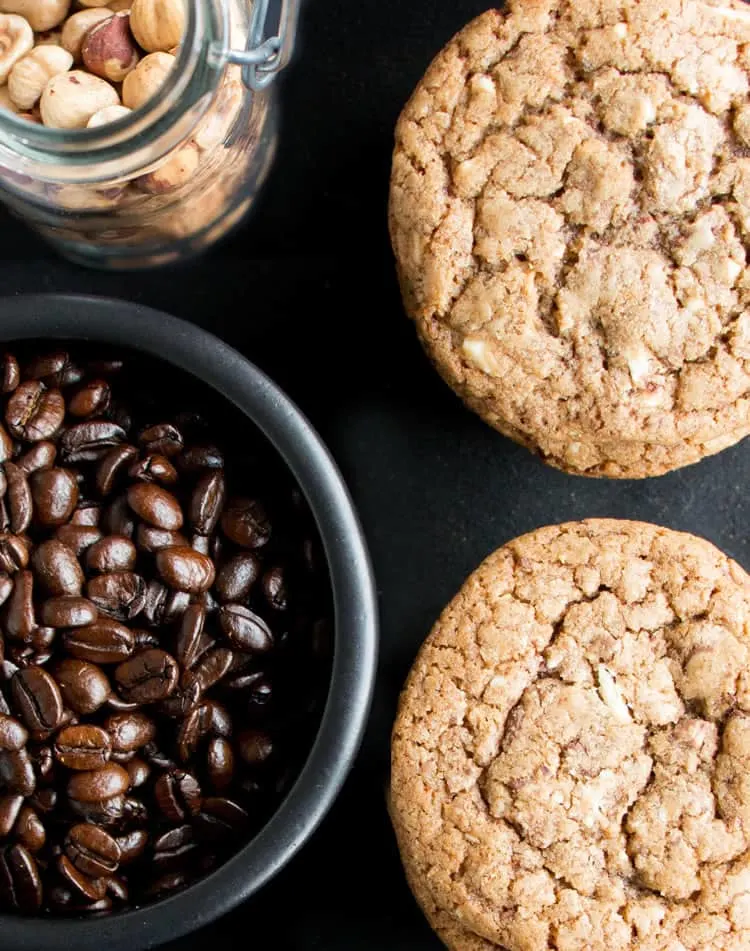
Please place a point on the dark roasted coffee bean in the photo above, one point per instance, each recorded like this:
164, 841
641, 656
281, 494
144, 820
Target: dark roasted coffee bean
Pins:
57, 568
118, 518
104, 642
14, 553
130, 731
254, 746
244, 680
182, 700
92, 889
118, 889
20, 620
13, 734
151, 539
78, 537
175, 605
6, 589
103, 812
218, 719
178, 795
260, 695
236, 578
163, 438
154, 603
190, 635
62, 899
153, 468
83, 747
41, 455
10, 373
246, 523
166, 884
90, 440
44, 800
87, 513
113, 466
113, 553
244, 629
8, 670
132, 845
95, 785
147, 677
207, 501
174, 839
30, 830
92, 850
120, 594
135, 812
200, 457
220, 763
43, 761
54, 369
19, 498
68, 611
17, 773
219, 819
92, 399
34, 412
84, 686
10, 807
145, 639
211, 668
155, 505
156, 757
38, 699
201, 544
6, 445
55, 495
139, 772
275, 588
185, 569
119, 705
20, 884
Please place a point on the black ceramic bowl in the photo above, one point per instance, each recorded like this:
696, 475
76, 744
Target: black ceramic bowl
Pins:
116, 323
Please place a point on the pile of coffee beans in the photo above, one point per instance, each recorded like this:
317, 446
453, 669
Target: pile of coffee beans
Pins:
163, 630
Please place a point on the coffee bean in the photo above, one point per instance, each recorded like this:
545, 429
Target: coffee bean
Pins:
20, 884
207, 501
145, 639
132, 845
102, 812
20, 620
54, 369
10, 807
93, 889
38, 699
68, 611
275, 588
147, 677
211, 668
106, 641
6, 589
190, 635
118, 518
90, 440
155, 505
185, 569
92, 851
196, 458
55, 495
43, 800
219, 818
17, 773
244, 629
30, 830
92, 399
10, 373
14, 553
153, 468
13, 734
236, 578
246, 523
151, 539
178, 795
43, 761
130, 731
163, 438
182, 700
139, 772
84, 686
254, 746
34, 412
57, 568
174, 839
118, 888
78, 537
83, 747
19, 498
41, 455
120, 594
175, 605
220, 763
95, 785
87, 513
113, 467
111, 554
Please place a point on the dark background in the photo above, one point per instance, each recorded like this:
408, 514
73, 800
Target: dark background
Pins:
306, 289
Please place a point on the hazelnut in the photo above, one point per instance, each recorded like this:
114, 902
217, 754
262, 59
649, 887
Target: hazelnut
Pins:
157, 25
76, 28
31, 74
202, 211
41, 14
69, 100
16, 39
85, 198
106, 115
108, 49
5, 101
146, 79
49, 38
119, 6
178, 168
92, 3
214, 127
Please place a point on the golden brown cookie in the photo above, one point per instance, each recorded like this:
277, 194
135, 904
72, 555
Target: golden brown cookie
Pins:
571, 757
570, 213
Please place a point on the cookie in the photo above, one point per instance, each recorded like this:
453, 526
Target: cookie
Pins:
570, 213
571, 756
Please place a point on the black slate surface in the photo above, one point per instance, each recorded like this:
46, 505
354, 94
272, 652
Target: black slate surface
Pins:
306, 289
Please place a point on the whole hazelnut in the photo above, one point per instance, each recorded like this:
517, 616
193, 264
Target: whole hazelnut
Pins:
146, 79
41, 14
108, 49
85, 197
16, 39
178, 168
157, 25
31, 74
106, 115
76, 28
6, 102
92, 3
70, 99
119, 6
214, 127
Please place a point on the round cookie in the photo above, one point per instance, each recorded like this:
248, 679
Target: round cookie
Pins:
571, 756
570, 213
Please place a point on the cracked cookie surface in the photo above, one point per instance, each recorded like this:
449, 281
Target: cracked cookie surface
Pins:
570, 214
571, 756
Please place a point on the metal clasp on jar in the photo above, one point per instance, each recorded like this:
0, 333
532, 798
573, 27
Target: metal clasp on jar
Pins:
264, 56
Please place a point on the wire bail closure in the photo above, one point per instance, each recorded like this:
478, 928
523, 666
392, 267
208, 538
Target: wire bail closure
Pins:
265, 56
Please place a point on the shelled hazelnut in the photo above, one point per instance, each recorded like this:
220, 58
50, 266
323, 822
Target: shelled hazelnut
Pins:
16, 39
70, 99
108, 49
31, 74
76, 28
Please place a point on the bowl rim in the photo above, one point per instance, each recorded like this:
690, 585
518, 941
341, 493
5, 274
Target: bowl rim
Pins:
224, 369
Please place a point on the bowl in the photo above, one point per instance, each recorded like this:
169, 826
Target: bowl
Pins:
205, 357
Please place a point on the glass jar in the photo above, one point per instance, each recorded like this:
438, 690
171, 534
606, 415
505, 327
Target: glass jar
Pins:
168, 180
